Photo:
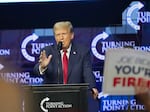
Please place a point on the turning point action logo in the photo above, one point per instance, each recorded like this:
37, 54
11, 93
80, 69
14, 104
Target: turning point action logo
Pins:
35, 47
45, 105
32, 37
143, 17
101, 36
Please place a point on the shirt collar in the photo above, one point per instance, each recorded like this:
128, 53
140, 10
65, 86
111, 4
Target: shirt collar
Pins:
68, 50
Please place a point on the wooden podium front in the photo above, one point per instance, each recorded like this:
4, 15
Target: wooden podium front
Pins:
56, 98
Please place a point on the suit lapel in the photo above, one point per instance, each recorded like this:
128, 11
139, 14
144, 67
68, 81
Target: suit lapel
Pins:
73, 58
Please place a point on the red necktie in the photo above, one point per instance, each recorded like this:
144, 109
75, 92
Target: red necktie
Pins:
65, 66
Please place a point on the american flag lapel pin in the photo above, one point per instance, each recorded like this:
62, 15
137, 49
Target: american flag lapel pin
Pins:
74, 52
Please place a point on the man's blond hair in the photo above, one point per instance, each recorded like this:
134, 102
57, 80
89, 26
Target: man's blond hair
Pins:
63, 24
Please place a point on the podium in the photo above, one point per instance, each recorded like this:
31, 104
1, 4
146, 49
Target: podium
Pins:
56, 98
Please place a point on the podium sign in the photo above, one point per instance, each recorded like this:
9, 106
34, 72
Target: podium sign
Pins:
59, 98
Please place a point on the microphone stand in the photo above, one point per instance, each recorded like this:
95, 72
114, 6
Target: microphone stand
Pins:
59, 47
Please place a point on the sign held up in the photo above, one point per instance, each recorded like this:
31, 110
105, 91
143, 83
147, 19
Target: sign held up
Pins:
125, 68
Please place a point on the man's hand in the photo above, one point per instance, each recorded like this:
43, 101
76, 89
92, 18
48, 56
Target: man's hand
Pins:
95, 93
43, 60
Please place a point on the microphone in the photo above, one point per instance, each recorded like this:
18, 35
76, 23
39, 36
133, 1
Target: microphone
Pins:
59, 46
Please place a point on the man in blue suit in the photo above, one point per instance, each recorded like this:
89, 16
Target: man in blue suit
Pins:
79, 61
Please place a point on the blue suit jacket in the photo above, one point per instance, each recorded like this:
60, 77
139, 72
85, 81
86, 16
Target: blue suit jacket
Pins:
79, 68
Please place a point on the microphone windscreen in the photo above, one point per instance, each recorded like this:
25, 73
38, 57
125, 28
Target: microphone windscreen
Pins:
59, 46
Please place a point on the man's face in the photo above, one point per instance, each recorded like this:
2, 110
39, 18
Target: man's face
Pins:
63, 35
